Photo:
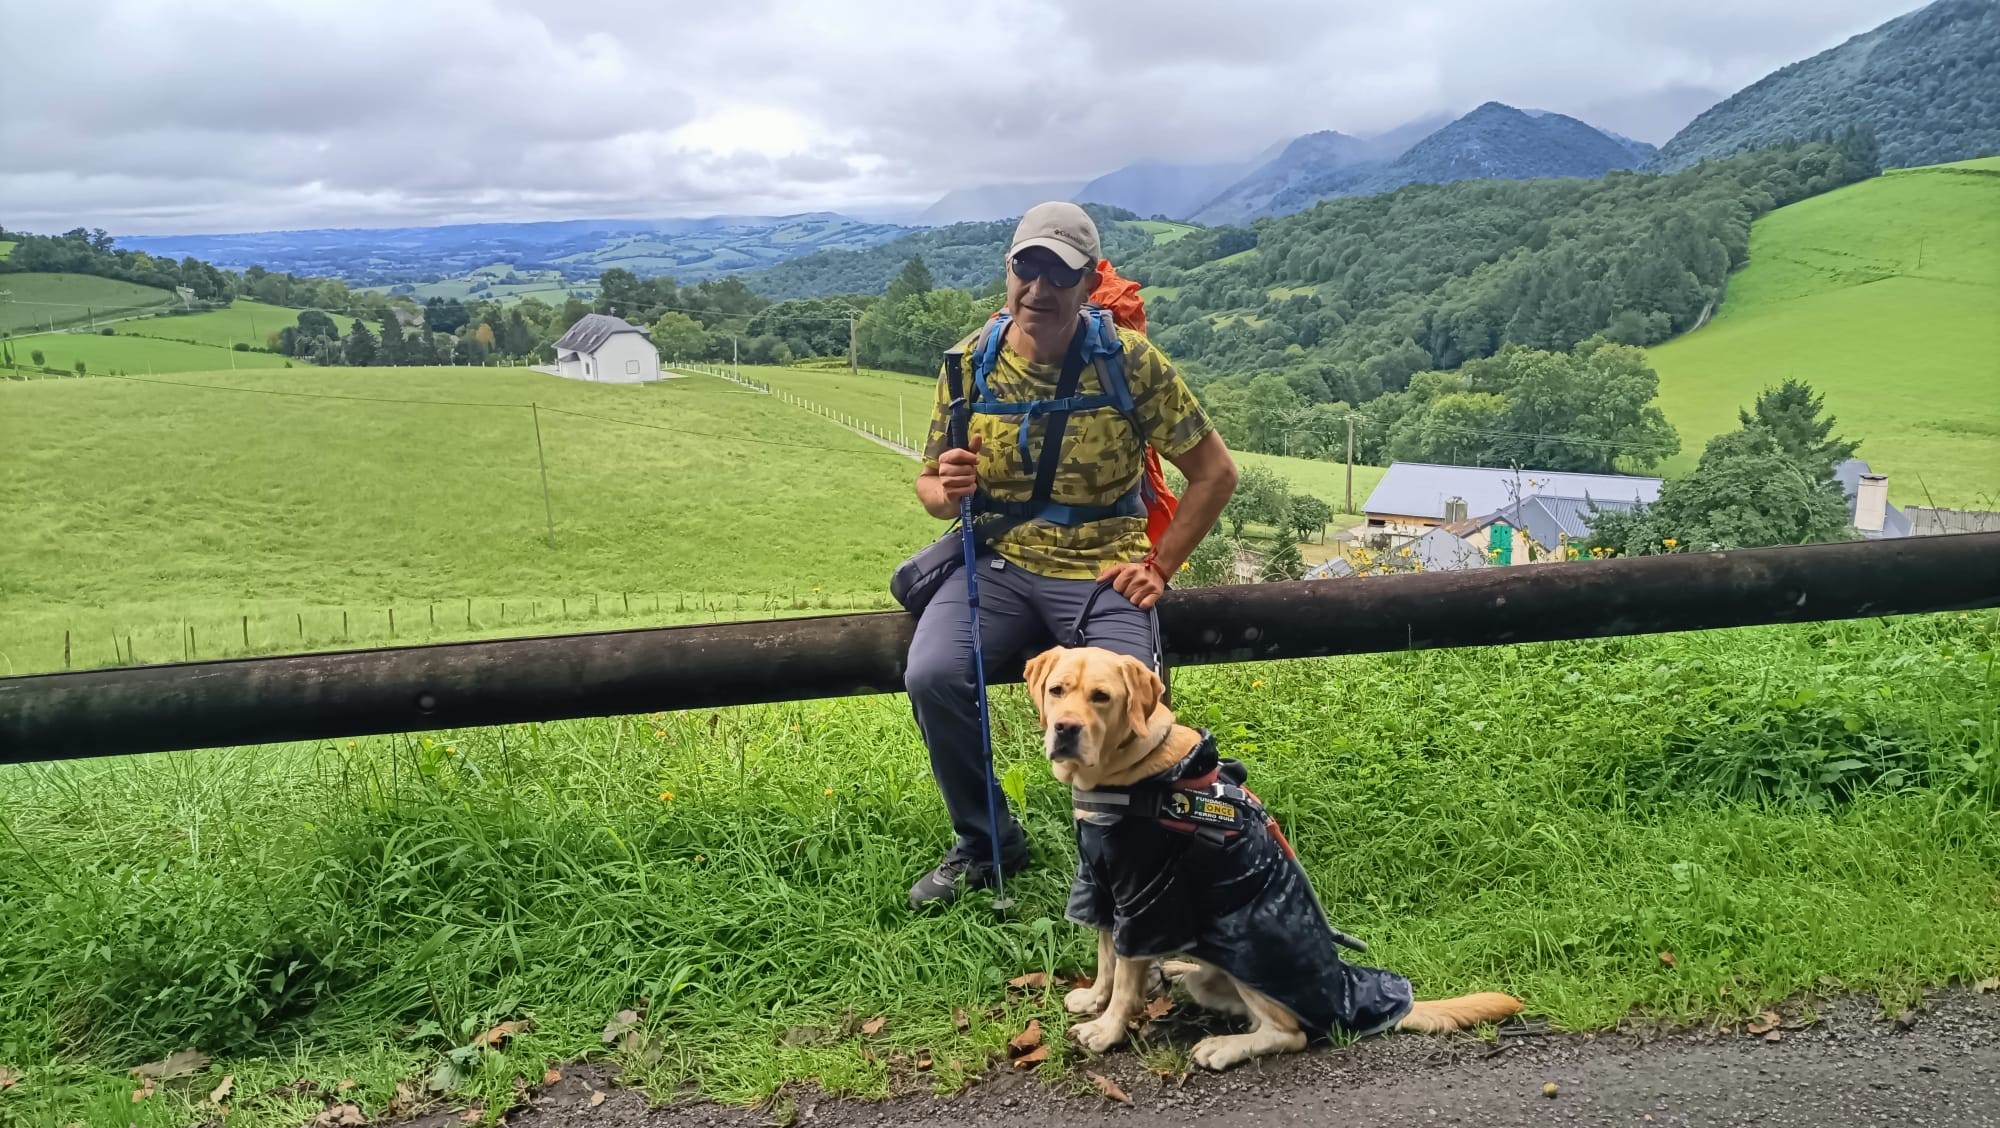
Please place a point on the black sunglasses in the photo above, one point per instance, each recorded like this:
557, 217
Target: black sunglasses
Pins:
1050, 269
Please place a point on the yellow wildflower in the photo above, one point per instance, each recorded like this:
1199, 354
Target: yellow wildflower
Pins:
1670, 542
659, 734
666, 796
451, 751
795, 728
828, 793
1258, 684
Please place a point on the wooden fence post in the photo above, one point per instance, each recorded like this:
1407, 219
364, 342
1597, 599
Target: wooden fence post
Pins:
246, 632
65, 650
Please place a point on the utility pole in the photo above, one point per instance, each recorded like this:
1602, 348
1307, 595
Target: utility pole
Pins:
1350, 462
733, 366
547, 508
854, 364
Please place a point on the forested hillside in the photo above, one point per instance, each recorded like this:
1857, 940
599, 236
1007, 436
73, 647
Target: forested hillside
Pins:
1927, 84
1355, 295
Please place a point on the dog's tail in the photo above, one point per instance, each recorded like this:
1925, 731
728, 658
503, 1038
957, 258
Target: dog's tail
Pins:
1439, 1015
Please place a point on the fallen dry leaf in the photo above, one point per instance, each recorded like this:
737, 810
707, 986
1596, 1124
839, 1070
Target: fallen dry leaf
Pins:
1027, 1039
1668, 959
344, 1085
222, 1091
960, 1020
406, 1101
625, 1020
1109, 1088
1773, 1036
596, 1099
923, 1062
502, 1034
1032, 1058
1083, 982
9, 1078
472, 1114
1033, 981
1159, 1007
640, 1048
551, 1075
874, 1026
1986, 985
1763, 1025
186, 1063
142, 1092
343, 1115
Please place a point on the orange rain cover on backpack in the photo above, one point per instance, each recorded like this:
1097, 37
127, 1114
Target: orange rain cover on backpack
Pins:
1120, 295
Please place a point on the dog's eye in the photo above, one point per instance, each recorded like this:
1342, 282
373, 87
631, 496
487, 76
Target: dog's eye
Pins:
1099, 696
1055, 691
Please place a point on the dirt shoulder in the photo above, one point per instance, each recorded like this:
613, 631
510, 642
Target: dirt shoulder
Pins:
1850, 1066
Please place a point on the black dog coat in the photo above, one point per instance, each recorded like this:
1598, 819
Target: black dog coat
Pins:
1237, 900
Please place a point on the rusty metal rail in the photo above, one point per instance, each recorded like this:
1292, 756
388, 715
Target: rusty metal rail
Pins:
409, 688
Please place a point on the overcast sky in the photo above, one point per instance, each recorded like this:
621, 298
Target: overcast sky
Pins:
183, 116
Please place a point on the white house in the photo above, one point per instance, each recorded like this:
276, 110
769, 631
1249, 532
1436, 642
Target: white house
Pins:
608, 349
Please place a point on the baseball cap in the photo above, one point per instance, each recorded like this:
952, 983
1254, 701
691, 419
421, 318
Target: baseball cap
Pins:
1061, 227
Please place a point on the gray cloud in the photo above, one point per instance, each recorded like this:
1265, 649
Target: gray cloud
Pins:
181, 115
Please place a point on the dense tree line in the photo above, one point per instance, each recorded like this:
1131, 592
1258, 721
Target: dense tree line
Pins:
1362, 293
965, 256
80, 251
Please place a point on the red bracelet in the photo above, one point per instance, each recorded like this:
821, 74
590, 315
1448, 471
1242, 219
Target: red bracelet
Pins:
1152, 561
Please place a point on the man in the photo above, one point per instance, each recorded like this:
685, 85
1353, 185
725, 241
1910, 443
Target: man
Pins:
1039, 576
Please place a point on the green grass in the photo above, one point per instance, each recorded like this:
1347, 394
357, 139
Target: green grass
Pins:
136, 356
278, 507
1881, 295
1543, 819
1151, 292
554, 293
886, 401
1324, 480
38, 301
1163, 231
243, 322
7, 249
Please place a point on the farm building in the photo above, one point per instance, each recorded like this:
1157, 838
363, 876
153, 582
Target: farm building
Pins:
1868, 502
608, 349
1414, 497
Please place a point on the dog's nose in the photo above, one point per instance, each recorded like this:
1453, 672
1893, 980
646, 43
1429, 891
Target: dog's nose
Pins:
1068, 730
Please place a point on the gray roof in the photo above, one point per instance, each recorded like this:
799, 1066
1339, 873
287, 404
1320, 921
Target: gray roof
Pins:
1548, 519
1895, 523
592, 330
1439, 551
1419, 489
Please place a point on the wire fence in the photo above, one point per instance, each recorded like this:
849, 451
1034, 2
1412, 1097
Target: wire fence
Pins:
897, 439
268, 630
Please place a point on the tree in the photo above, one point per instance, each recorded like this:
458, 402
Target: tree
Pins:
81, 369
1309, 515
390, 350
1582, 411
1261, 496
680, 337
1745, 492
1791, 413
1269, 404
1283, 562
914, 279
359, 349
37, 357
484, 336
1212, 562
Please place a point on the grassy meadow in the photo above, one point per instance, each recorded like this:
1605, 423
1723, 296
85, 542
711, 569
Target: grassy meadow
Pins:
131, 354
42, 301
243, 322
221, 502
1881, 295
1786, 810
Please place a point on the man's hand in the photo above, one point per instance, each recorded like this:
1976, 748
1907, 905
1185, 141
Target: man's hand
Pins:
1136, 582
958, 471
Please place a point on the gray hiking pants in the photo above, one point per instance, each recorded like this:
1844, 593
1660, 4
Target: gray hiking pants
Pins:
1020, 615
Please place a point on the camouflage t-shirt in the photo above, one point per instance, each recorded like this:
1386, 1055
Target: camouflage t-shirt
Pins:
1101, 457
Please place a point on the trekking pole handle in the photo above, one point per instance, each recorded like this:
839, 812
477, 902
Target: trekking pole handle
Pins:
958, 424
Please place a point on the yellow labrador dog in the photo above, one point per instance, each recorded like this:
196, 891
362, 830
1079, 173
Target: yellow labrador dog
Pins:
1175, 858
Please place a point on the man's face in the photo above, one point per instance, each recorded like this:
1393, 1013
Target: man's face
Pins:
1040, 305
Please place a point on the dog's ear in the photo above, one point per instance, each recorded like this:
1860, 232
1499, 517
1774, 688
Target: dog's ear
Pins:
1142, 694
1036, 675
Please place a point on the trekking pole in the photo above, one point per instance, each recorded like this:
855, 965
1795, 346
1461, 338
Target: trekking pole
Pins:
961, 417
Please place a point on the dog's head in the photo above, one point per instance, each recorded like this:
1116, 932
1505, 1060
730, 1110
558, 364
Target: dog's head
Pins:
1097, 708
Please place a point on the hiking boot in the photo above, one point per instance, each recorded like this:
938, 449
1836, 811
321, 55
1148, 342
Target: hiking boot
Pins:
941, 886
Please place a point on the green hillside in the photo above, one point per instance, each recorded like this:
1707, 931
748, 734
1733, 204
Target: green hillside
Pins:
243, 322
1882, 295
286, 508
136, 355
45, 301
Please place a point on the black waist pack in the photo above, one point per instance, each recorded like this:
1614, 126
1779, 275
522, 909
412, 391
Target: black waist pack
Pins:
916, 581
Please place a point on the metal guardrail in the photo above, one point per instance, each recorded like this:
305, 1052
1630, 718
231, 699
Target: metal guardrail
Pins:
241, 701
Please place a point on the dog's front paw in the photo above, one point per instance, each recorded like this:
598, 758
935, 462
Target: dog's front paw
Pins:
1086, 1000
1222, 1051
1101, 1035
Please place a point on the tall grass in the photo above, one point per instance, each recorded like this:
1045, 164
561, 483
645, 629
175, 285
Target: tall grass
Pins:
1543, 819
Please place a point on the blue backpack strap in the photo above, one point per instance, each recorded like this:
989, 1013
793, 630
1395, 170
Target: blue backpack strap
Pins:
988, 354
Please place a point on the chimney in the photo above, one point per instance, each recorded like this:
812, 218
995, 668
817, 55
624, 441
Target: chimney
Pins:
1454, 509
1871, 502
